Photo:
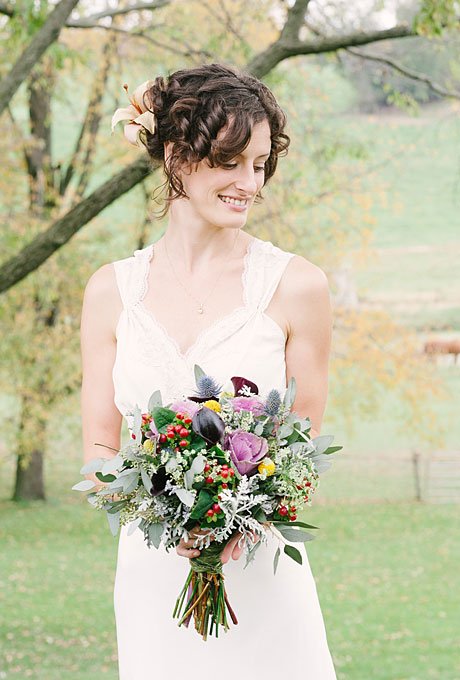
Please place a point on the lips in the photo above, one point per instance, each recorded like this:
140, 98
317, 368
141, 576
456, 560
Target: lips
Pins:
235, 198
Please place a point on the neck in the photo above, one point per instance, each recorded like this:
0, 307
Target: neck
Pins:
202, 248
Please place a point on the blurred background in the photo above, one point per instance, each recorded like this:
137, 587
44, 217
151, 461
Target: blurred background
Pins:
369, 191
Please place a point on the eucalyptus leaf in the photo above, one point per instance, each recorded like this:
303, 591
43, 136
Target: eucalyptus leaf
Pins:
84, 485
332, 449
297, 523
105, 478
196, 468
114, 522
146, 481
293, 553
126, 473
155, 400
294, 535
276, 560
93, 465
155, 533
285, 430
321, 462
137, 422
171, 465
110, 490
199, 373
322, 442
289, 396
186, 497
134, 525
130, 482
258, 430
112, 464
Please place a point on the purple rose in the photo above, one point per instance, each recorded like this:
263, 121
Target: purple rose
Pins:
253, 404
246, 450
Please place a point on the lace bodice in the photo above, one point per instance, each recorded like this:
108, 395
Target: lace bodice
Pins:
246, 341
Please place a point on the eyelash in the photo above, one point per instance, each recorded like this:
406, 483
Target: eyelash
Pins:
229, 166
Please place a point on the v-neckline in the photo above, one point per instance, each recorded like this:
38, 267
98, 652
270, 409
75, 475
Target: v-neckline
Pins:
184, 355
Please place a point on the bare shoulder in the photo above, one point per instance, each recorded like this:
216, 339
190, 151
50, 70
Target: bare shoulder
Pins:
305, 278
305, 294
102, 298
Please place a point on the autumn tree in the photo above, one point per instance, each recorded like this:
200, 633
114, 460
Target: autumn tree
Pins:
53, 199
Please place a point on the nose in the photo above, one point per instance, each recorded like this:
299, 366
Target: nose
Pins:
246, 180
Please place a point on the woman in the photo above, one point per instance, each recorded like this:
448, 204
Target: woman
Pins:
208, 293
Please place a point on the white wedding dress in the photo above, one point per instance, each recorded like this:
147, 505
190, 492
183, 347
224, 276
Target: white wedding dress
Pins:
281, 632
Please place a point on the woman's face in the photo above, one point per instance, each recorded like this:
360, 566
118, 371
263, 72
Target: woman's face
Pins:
209, 189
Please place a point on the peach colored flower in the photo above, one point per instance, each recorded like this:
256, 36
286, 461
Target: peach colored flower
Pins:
136, 113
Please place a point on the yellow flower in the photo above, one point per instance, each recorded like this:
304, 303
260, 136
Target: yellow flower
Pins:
212, 404
148, 445
267, 466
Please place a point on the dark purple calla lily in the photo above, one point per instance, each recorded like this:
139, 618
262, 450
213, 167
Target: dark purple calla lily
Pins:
207, 424
158, 481
239, 382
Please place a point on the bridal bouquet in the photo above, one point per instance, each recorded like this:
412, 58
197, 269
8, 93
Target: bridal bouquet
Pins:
219, 462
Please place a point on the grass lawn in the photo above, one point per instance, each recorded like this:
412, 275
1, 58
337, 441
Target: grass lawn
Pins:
387, 572
385, 576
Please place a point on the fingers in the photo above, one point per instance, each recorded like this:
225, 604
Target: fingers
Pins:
228, 550
186, 548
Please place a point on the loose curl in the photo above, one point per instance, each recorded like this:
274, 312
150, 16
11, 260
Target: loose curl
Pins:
190, 108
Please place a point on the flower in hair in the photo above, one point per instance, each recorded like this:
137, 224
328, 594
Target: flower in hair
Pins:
136, 113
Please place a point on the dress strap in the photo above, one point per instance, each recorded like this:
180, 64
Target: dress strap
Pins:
131, 274
268, 265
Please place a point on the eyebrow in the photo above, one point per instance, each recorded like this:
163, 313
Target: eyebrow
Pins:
262, 155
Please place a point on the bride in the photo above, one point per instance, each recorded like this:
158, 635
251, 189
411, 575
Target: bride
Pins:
208, 293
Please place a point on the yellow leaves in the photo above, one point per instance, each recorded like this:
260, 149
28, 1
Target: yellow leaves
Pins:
374, 358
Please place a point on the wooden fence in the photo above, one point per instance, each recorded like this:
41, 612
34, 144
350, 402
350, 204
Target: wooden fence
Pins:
442, 477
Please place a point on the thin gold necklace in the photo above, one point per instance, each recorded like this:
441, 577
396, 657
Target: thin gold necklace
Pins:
200, 309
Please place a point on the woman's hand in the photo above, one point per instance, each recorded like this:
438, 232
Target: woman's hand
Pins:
232, 549
185, 548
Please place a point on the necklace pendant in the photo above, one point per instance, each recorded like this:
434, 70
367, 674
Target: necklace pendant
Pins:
200, 309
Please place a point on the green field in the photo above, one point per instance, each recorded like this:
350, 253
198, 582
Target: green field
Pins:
386, 566
385, 576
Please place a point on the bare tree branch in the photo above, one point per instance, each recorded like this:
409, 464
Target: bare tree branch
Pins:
42, 39
288, 45
10, 10
136, 7
62, 230
141, 34
405, 71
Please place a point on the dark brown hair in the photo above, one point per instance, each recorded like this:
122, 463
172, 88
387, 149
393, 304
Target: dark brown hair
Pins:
192, 105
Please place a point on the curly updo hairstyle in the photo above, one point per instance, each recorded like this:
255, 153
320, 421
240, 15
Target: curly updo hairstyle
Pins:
192, 105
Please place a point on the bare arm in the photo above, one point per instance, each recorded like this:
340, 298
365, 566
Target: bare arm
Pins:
101, 420
309, 338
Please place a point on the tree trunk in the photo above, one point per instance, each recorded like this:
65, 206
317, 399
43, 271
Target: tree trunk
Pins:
29, 480
31, 440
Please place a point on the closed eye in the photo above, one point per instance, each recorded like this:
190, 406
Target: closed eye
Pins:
258, 168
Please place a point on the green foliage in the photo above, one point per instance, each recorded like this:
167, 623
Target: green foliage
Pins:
435, 17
